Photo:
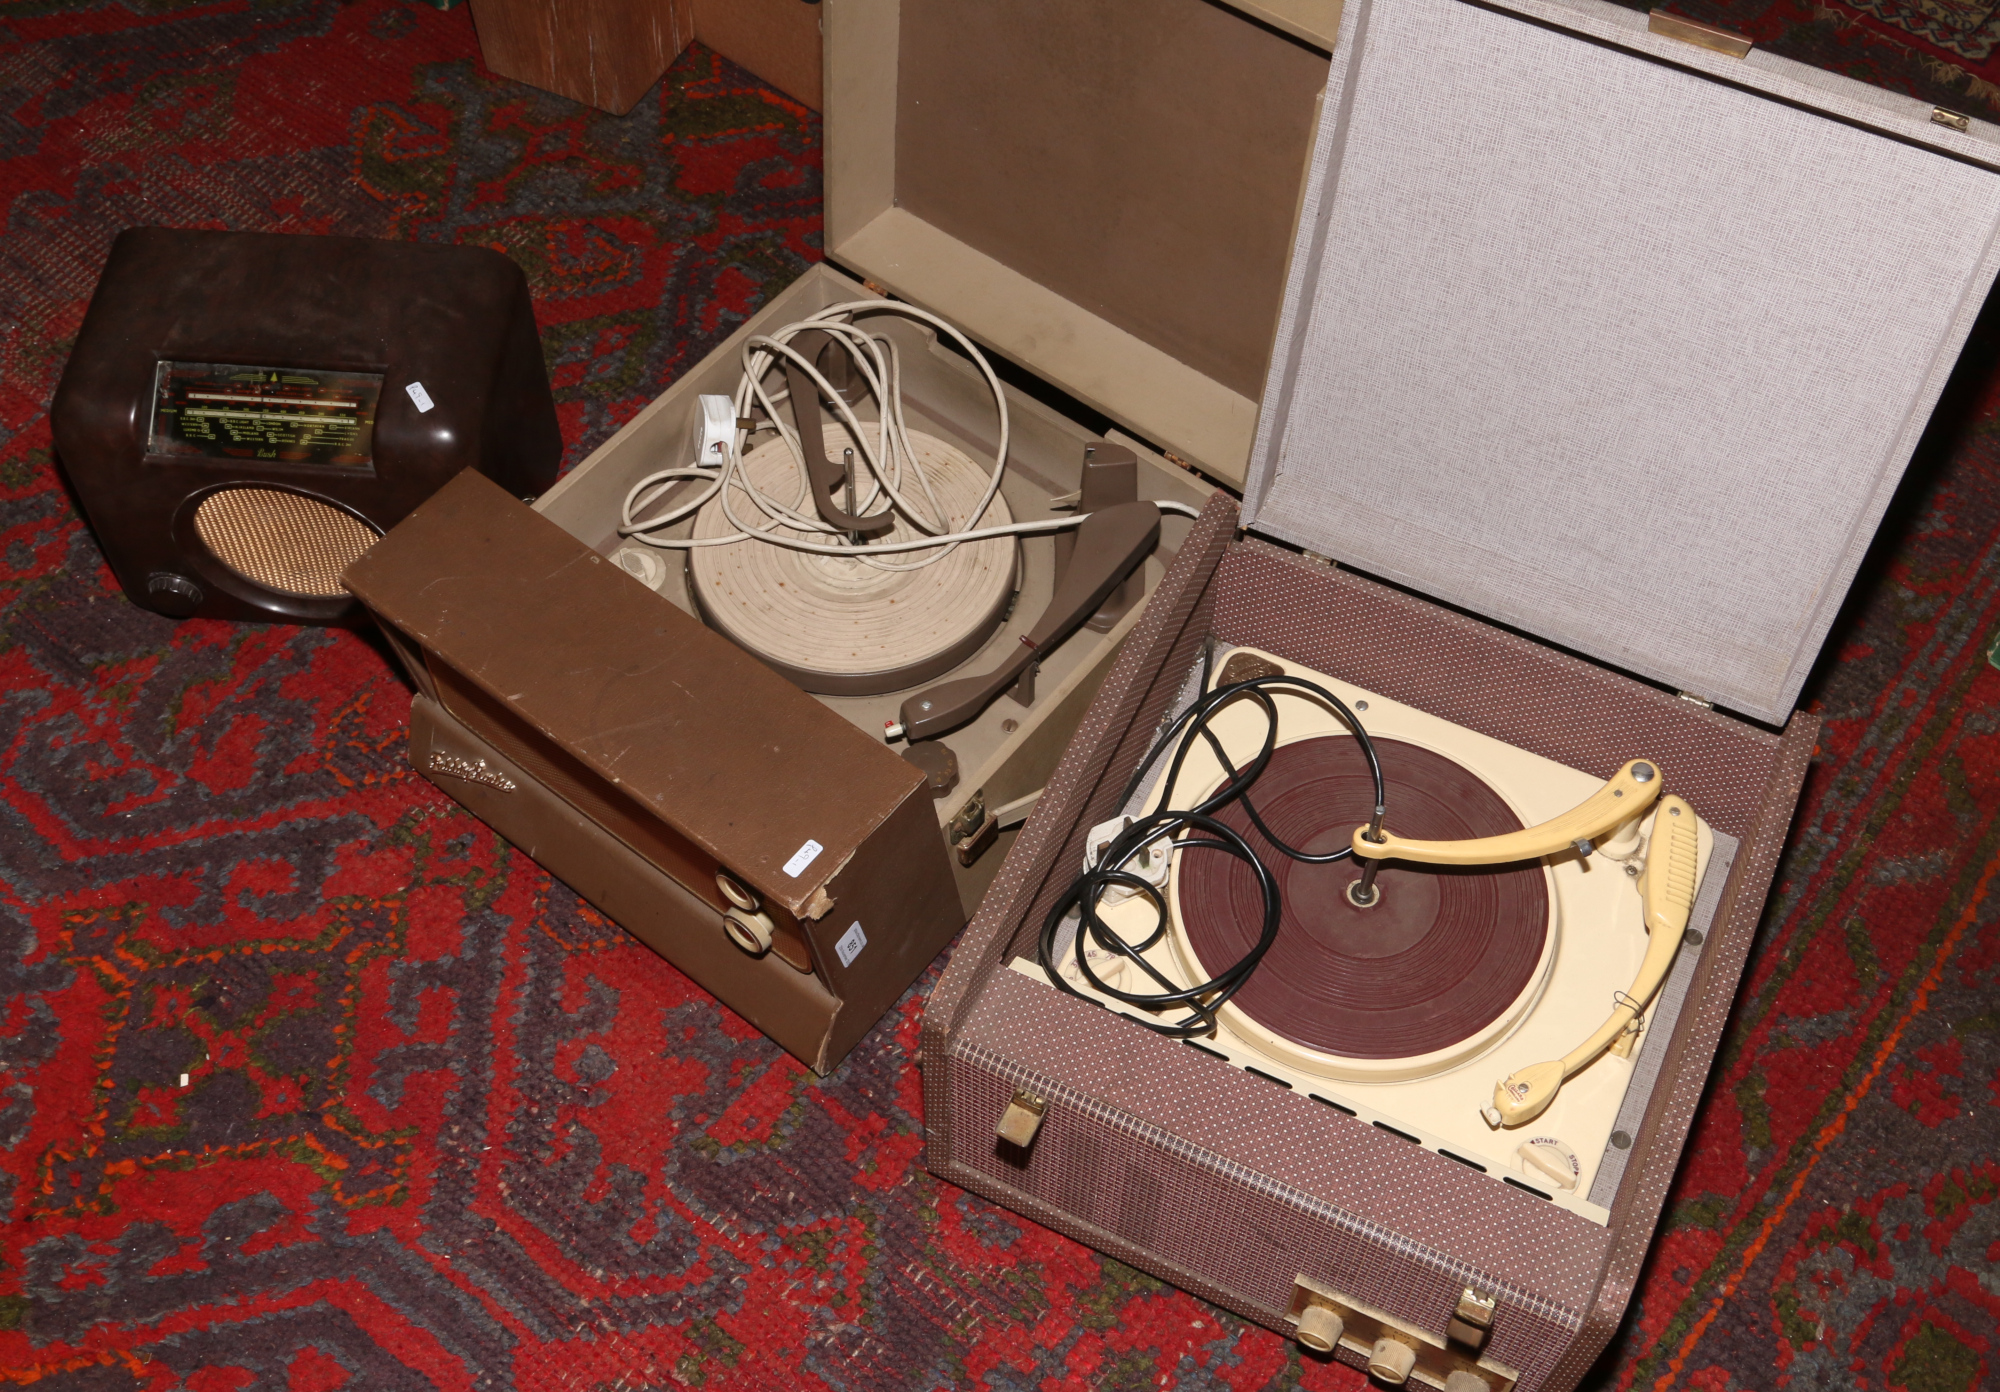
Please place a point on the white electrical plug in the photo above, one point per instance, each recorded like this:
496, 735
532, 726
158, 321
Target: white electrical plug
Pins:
1151, 864
714, 430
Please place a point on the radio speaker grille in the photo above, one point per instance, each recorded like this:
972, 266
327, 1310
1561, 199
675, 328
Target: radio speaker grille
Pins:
282, 541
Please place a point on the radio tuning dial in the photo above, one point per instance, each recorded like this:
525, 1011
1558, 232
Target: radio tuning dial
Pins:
173, 595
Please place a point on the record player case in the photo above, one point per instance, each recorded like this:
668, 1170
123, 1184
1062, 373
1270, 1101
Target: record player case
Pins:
1160, 322
1443, 259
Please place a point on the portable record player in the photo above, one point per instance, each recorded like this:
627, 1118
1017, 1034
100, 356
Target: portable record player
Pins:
1574, 341
669, 726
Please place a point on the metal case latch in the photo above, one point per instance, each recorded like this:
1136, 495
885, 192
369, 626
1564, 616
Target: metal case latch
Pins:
1022, 1119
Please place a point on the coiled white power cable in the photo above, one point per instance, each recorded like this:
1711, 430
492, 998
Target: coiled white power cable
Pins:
888, 458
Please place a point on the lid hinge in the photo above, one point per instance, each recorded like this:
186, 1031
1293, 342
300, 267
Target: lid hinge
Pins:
1693, 31
1701, 701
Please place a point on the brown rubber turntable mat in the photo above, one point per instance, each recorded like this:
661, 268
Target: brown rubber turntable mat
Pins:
1440, 957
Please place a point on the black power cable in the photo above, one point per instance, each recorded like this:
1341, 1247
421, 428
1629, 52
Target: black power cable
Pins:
1204, 1000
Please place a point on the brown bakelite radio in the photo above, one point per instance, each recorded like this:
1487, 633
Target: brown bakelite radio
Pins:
245, 413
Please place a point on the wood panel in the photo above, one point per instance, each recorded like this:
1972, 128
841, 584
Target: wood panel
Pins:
778, 40
605, 53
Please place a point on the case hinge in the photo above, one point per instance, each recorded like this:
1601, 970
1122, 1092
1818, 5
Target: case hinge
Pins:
1692, 31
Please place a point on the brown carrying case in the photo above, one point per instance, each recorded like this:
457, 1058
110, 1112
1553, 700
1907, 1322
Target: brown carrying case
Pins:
1472, 358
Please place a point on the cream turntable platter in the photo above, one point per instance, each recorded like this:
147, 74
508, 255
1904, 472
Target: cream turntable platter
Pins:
856, 625
1455, 990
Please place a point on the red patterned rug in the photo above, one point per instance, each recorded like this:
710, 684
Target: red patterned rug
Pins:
1945, 52
310, 1082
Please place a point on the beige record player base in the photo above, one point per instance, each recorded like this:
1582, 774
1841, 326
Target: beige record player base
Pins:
845, 626
1595, 944
1006, 755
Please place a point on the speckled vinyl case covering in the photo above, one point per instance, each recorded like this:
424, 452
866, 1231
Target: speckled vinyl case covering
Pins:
1230, 1188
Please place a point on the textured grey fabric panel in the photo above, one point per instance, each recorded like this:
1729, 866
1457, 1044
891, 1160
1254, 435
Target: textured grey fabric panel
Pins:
1604, 349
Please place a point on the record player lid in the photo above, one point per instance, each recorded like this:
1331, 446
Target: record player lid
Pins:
1102, 190
1612, 338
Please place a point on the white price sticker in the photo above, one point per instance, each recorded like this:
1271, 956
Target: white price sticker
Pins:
850, 944
802, 857
420, 396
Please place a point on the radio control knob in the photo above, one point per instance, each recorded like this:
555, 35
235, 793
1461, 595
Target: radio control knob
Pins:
173, 595
1320, 1329
1391, 1361
749, 930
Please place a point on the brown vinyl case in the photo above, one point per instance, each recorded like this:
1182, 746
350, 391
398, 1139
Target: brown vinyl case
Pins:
641, 754
1625, 426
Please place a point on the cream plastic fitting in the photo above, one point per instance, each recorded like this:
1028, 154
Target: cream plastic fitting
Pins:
749, 930
1667, 887
1320, 1329
1391, 1361
1627, 794
735, 893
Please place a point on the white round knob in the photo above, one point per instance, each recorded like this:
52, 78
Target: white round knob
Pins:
642, 565
749, 930
735, 893
1320, 1329
1462, 1381
1391, 1361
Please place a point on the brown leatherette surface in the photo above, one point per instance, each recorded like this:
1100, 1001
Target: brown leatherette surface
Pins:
794, 1008
695, 731
1282, 1175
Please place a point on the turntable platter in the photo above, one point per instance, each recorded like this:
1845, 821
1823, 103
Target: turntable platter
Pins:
1445, 956
849, 627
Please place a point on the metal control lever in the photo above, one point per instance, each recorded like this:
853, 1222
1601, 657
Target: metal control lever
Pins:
827, 477
1110, 545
